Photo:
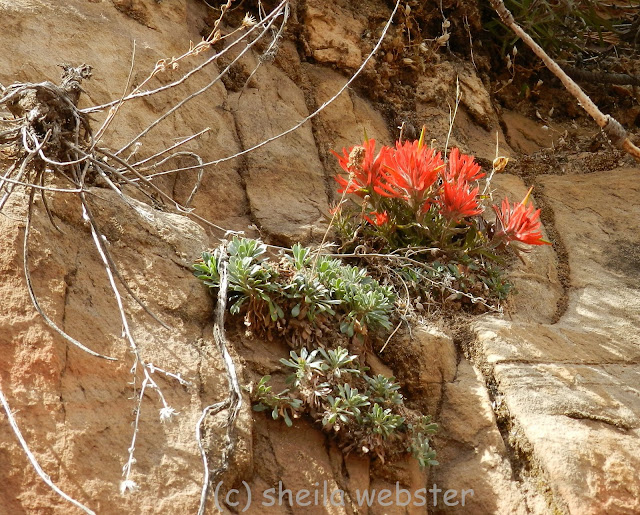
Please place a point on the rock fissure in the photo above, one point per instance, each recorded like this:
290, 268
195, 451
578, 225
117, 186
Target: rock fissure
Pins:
563, 268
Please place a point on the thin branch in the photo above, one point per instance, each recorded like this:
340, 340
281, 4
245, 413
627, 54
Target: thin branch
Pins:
32, 295
116, 272
198, 179
208, 86
312, 115
612, 128
233, 402
126, 333
452, 115
34, 462
269, 53
169, 149
114, 110
403, 316
46, 205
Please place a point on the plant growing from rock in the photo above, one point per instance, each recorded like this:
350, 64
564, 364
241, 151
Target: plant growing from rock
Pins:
54, 151
298, 296
365, 414
410, 201
51, 142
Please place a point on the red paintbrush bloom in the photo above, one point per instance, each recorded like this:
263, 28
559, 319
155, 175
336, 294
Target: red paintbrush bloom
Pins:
412, 170
462, 166
457, 200
379, 218
519, 223
364, 169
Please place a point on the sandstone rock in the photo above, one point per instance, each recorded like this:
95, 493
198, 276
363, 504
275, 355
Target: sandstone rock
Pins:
333, 33
284, 181
571, 386
423, 360
75, 409
527, 136
436, 93
471, 452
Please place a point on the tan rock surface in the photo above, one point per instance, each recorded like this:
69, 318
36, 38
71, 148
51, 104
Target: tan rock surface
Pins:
285, 182
75, 410
333, 32
423, 360
472, 453
476, 124
526, 135
571, 387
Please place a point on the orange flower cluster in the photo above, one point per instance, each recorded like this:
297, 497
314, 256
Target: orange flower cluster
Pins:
519, 222
419, 178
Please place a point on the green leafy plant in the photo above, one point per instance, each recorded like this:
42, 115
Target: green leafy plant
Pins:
280, 405
419, 446
365, 414
297, 295
562, 27
409, 201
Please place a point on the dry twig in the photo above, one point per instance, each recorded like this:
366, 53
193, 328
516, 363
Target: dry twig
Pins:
232, 403
611, 127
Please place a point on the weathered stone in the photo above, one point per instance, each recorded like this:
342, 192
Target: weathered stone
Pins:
471, 451
75, 409
285, 182
333, 33
571, 387
436, 95
526, 135
423, 360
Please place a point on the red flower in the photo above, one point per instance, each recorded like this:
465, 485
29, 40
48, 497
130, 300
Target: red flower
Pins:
411, 171
519, 222
336, 209
457, 200
462, 166
363, 168
380, 218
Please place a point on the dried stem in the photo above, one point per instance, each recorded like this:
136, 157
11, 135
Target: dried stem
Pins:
312, 115
32, 295
278, 10
612, 128
34, 462
233, 402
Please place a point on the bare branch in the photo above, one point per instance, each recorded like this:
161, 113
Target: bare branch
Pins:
32, 295
34, 462
612, 128
312, 115
234, 401
278, 10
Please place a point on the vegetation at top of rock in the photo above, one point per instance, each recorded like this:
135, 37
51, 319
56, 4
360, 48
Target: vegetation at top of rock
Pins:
565, 28
409, 200
365, 414
299, 295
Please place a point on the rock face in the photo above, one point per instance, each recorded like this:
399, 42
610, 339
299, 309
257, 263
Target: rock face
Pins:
571, 387
75, 409
541, 415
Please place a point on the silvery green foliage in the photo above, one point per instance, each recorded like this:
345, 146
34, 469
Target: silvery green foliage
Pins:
363, 412
315, 286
